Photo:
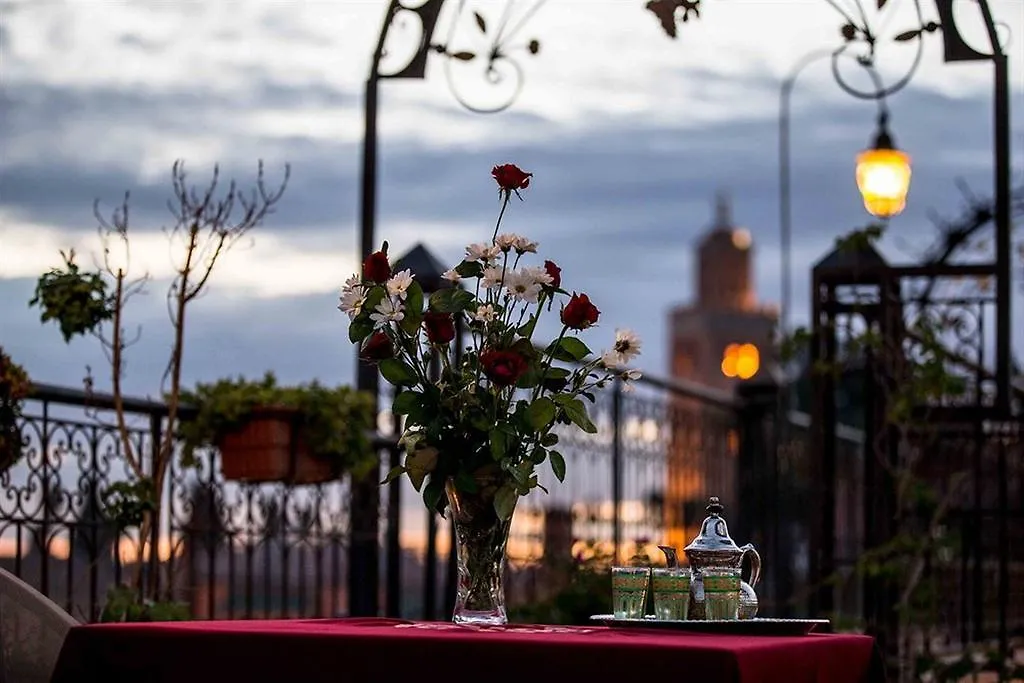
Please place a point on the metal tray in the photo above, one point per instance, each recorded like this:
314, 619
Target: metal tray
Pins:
762, 627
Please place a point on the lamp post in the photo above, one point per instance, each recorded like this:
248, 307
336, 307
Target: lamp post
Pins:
500, 70
856, 29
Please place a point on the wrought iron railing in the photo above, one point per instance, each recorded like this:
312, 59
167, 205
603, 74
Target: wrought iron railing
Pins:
251, 551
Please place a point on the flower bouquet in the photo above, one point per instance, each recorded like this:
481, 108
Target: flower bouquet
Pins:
480, 413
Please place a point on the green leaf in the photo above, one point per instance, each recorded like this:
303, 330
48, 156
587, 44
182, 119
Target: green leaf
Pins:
549, 439
452, 300
538, 455
530, 378
374, 297
397, 372
482, 25
573, 346
406, 402
470, 269
413, 308
465, 482
505, 501
499, 443
526, 329
395, 473
557, 464
577, 412
432, 493
464, 56
360, 328
541, 413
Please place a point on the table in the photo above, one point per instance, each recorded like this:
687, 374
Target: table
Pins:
372, 650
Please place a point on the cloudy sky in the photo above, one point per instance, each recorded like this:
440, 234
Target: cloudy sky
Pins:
628, 132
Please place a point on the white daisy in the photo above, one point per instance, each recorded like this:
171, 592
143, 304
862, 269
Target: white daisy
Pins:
399, 283
610, 360
352, 283
506, 241
485, 314
524, 244
522, 286
627, 344
451, 275
628, 377
491, 277
352, 301
538, 274
482, 252
386, 311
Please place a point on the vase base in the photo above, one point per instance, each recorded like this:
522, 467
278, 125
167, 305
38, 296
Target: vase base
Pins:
480, 618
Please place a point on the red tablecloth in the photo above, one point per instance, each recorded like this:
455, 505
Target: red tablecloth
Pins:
372, 650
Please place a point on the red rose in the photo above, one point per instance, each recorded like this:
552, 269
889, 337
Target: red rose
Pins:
510, 177
377, 346
503, 367
440, 327
555, 272
579, 313
376, 267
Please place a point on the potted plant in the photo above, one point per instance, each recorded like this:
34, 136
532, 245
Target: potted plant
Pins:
306, 434
14, 387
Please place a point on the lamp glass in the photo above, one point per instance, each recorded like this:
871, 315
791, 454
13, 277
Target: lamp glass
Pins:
883, 178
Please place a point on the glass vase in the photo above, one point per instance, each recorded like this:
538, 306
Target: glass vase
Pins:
481, 538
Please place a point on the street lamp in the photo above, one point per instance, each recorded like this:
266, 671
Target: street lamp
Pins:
883, 174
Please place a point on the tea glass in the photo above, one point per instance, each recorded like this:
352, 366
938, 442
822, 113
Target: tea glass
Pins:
721, 593
671, 589
629, 591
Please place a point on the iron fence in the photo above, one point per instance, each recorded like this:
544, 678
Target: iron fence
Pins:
233, 550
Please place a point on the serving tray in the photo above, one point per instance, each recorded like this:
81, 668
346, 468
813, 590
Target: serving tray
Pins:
763, 627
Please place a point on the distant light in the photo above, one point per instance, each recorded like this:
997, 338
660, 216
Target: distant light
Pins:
741, 361
741, 238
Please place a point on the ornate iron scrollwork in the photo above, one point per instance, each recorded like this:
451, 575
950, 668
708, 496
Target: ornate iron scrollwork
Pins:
491, 58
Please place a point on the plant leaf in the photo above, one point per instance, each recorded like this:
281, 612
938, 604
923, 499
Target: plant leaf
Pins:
499, 444
557, 464
577, 412
360, 328
432, 493
881, 3
549, 439
575, 347
505, 501
395, 473
465, 482
483, 25
397, 372
541, 413
469, 269
413, 308
464, 56
406, 402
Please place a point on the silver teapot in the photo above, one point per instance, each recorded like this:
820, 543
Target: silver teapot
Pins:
713, 547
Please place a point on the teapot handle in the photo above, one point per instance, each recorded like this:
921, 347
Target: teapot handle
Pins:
755, 563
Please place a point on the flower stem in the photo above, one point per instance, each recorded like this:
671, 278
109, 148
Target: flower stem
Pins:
501, 213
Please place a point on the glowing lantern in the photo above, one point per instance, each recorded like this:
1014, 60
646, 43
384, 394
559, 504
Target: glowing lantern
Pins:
883, 175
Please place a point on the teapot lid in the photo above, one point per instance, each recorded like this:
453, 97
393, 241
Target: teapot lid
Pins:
714, 534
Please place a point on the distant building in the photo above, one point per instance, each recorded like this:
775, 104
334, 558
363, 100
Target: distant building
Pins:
722, 337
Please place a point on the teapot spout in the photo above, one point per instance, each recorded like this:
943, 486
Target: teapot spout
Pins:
671, 556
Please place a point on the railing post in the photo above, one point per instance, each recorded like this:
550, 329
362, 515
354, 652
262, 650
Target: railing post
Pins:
757, 483
616, 467
155, 436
